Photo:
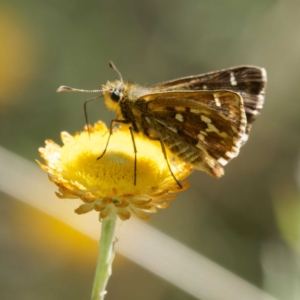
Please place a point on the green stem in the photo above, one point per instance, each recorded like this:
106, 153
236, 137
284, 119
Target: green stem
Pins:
105, 257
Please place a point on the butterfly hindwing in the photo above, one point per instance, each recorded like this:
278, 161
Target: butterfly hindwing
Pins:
201, 127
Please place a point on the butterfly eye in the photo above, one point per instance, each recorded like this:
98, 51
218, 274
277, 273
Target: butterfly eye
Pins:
115, 96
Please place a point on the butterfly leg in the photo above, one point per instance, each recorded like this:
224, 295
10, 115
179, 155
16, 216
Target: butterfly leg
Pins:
166, 158
85, 113
135, 154
110, 133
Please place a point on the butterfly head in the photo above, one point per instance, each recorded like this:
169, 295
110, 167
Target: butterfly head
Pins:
113, 93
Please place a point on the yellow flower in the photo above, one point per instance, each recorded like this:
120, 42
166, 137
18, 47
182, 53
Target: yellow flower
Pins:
107, 184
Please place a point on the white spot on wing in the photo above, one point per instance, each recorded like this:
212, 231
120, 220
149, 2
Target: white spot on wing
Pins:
232, 79
200, 146
194, 110
264, 74
233, 153
201, 137
213, 128
179, 117
205, 119
223, 134
222, 161
234, 129
180, 108
218, 103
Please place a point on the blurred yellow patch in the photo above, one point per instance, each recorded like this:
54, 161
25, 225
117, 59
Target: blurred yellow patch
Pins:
17, 55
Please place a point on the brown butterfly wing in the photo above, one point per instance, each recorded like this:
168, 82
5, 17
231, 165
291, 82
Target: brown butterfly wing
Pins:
203, 128
248, 81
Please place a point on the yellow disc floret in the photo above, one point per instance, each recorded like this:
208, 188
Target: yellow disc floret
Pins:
107, 183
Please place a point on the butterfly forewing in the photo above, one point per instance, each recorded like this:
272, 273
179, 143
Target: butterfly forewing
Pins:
248, 81
204, 128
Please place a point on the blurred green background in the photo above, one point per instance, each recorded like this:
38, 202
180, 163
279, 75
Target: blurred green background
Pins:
248, 221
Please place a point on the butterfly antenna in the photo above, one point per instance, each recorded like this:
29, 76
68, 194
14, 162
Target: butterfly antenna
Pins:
65, 88
112, 65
